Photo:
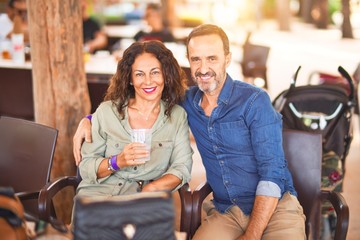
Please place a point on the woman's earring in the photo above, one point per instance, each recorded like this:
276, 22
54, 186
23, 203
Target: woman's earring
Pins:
131, 83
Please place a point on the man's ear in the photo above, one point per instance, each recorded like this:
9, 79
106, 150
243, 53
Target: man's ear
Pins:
228, 59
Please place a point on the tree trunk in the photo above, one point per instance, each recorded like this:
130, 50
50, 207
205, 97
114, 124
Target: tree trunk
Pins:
346, 24
283, 14
305, 10
169, 15
61, 97
320, 14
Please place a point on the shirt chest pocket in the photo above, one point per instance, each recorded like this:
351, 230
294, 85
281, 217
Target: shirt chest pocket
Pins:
114, 146
161, 152
236, 137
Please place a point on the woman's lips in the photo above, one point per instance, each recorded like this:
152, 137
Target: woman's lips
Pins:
149, 90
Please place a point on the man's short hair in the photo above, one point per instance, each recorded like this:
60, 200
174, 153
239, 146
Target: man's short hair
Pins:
208, 29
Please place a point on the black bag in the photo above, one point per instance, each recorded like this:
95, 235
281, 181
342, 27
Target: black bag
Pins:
12, 216
141, 216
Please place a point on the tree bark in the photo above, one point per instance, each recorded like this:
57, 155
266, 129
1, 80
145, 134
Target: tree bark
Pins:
320, 14
346, 24
305, 10
61, 97
169, 15
283, 14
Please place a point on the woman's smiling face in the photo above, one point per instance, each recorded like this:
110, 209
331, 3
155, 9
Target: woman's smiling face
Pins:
147, 77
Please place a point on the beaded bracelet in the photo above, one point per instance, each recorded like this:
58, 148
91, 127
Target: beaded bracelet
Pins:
112, 165
109, 165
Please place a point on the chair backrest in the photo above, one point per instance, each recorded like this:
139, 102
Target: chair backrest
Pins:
303, 151
253, 64
26, 154
255, 55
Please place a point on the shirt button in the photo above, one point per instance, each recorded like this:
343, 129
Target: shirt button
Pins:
135, 168
234, 200
160, 144
120, 184
226, 182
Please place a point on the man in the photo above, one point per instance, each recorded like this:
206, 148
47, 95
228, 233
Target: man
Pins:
94, 38
239, 137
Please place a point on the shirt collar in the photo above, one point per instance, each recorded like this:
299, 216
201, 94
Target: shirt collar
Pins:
225, 93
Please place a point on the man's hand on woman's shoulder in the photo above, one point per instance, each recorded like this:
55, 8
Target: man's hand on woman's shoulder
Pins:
82, 132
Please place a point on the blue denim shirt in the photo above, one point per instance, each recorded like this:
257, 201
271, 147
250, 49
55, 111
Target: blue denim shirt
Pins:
240, 144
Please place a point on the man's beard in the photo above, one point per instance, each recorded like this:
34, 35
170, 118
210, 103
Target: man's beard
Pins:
207, 87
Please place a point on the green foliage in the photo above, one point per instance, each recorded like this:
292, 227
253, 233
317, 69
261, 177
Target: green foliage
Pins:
334, 6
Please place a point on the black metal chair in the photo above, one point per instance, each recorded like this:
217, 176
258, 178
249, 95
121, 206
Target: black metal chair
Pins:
253, 64
26, 156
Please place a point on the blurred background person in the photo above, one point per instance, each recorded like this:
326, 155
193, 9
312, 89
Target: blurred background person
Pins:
158, 29
94, 37
14, 8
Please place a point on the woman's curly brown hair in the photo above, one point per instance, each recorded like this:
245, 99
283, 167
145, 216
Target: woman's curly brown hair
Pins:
120, 90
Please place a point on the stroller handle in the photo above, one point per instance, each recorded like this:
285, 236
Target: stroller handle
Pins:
343, 73
293, 80
346, 75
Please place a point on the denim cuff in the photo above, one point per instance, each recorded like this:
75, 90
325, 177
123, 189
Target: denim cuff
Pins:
267, 188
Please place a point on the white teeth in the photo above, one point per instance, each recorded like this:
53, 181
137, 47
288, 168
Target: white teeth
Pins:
205, 77
149, 89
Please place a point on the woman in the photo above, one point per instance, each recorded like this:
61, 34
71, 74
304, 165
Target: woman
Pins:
142, 94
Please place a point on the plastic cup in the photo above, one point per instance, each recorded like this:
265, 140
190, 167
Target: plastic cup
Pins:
142, 136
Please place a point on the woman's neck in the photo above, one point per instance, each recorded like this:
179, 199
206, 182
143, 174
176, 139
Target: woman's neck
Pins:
143, 114
144, 106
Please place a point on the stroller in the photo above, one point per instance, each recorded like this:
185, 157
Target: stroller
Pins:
325, 109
